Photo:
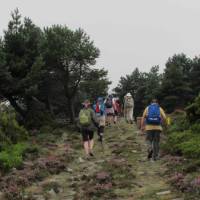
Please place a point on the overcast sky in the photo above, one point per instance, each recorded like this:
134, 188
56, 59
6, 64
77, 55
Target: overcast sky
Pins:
129, 33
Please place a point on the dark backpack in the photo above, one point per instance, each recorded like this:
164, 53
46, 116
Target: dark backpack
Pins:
109, 103
153, 115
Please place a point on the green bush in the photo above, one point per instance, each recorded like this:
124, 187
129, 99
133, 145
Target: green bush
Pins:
191, 148
185, 143
179, 123
174, 140
10, 130
8, 161
195, 128
12, 156
193, 110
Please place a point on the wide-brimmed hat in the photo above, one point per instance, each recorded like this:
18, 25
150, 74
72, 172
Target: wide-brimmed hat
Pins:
86, 102
128, 95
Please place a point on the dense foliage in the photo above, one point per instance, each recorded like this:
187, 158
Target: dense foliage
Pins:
183, 136
175, 88
43, 72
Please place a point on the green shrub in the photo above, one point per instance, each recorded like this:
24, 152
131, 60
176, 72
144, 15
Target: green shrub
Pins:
191, 148
179, 123
195, 128
186, 143
46, 129
193, 110
172, 144
8, 161
10, 130
12, 156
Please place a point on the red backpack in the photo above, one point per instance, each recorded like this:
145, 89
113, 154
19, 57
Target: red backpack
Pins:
97, 108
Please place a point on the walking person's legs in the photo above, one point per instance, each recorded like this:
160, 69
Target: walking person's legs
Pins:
125, 115
156, 144
90, 142
131, 115
86, 147
115, 117
149, 140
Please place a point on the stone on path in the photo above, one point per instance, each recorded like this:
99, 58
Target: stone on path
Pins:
134, 151
38, 197
178, 199
52, 193
81, 160
69, 170
141, 173
163, 193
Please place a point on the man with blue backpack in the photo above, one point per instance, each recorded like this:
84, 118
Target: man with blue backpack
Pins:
152, 121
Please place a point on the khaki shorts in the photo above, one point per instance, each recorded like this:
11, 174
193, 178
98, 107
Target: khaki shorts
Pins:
101, 120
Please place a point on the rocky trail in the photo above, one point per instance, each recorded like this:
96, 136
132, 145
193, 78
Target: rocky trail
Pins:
119, 170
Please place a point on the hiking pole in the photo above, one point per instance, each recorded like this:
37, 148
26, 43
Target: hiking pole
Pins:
102, 144
101, 140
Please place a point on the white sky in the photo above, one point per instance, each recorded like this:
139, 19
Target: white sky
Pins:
129, 33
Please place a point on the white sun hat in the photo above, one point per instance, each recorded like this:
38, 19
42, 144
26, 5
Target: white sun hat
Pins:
128, 95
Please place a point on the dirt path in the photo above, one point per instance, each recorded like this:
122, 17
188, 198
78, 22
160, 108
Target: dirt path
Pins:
119, 172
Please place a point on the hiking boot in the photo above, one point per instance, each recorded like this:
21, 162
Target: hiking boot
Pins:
156, 158
87, 157
150, 153
91, 154
100, 139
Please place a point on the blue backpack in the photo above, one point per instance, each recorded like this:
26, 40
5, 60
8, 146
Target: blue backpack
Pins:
153, 115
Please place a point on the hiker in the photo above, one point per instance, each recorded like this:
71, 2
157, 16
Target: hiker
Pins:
117, 109
152, 121
109, 110
128, 108
99, 109
88, 124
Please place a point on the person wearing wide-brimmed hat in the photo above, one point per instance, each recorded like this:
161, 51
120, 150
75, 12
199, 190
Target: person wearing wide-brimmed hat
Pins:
87, 123
128, 107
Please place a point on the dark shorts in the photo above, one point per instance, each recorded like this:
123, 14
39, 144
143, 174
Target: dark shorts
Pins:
87, 135
116, 113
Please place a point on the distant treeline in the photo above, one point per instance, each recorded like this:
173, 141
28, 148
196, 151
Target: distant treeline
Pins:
176, 88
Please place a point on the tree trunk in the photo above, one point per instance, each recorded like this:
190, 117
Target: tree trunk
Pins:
71, 110
48, 105
17, 107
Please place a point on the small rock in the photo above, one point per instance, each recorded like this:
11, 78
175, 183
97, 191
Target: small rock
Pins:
178, 199
80, 160
69, 170
38, 197
141, 173
100, 161
52, 193
134, 151
163, 193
